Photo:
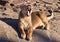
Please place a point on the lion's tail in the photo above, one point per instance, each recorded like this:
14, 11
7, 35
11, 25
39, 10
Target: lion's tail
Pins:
51, 14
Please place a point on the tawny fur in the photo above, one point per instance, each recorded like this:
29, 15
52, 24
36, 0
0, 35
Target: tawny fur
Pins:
31, 22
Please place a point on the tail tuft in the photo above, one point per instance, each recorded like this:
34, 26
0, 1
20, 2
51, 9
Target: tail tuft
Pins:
50, 11
51, 14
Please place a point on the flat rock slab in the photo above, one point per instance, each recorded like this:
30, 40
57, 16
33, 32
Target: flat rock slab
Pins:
7, 33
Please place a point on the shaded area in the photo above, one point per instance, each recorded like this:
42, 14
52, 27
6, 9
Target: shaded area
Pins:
5, 40
41, 36
13, 23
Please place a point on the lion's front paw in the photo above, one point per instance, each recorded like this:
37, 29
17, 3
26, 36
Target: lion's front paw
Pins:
23, 36
29, 38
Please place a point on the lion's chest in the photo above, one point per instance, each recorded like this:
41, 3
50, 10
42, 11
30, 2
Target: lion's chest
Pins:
26, 22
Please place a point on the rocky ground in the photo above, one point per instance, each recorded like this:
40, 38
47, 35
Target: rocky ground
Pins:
9, 11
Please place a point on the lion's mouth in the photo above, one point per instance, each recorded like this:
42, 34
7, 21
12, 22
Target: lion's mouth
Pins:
28, 13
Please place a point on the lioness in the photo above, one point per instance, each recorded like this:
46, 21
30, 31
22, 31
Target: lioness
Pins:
29, 21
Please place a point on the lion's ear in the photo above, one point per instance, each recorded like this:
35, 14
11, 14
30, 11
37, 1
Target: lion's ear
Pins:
21, 6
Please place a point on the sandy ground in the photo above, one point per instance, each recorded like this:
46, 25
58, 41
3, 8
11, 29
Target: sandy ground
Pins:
9, 23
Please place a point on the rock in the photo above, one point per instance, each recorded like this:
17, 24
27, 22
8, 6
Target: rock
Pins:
50, 1
7, 32
16, 1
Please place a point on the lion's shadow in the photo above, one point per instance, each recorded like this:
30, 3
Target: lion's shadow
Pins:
13, 23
